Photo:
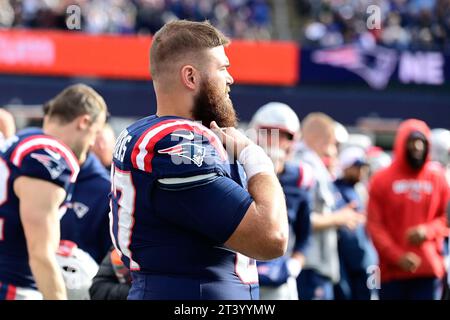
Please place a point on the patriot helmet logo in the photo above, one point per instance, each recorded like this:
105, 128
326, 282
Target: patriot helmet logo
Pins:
189, 150
374, 64
79, 208
54, 167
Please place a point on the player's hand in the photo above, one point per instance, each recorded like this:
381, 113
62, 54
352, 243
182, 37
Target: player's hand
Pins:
233, 140
295, 264
416, 235
409, 262
348, 217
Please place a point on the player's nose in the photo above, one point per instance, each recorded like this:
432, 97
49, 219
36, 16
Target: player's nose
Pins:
230, 79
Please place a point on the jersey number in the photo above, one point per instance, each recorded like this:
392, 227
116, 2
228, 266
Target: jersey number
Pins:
123, 183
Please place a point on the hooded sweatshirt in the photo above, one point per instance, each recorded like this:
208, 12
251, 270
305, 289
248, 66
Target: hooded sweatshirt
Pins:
401, 198
86, 221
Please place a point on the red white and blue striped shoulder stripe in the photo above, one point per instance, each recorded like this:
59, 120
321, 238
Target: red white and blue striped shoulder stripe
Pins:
36, 142
143, 150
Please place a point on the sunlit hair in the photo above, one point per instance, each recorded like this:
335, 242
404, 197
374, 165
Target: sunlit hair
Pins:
179, 38
74, 101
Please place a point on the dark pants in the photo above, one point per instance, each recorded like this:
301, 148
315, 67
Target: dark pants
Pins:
352, 286
313, 286
412, 289
154, 287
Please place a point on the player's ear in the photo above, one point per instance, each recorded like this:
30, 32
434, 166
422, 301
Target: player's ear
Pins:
189, 77
84, 122
45, 120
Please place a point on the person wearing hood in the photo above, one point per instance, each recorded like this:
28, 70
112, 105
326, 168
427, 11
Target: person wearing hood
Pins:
407, 218
86, 220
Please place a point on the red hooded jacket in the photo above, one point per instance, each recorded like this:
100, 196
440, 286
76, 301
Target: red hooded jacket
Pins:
401, 198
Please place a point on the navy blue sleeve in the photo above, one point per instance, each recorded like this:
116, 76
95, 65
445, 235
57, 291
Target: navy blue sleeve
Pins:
302, 225
52, 167
105, 238
213, 209
273, 273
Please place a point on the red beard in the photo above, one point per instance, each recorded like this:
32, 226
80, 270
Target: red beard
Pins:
212, 105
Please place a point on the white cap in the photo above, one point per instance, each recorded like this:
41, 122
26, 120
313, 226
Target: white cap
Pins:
340, 132
276, 115
359, 140
352, 156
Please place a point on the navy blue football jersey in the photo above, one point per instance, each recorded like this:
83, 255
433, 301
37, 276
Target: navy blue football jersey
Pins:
297, 181
176, 199
37, 156
86, 220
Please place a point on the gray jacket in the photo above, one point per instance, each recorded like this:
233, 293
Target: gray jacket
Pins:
322, 253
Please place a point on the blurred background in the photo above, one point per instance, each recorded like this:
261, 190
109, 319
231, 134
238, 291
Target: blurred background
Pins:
315, 55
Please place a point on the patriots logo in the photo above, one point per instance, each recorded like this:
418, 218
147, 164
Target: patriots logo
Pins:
374, 64
54, 167
79, 208
191, 151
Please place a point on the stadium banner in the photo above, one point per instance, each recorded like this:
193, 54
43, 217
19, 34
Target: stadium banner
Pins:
376, 66
73, 54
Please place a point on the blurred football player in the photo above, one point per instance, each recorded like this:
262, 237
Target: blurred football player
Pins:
182, 217
321, 269
103, 147
440, 152
86, 219
36, 177
277, 128
356, 252
407, 218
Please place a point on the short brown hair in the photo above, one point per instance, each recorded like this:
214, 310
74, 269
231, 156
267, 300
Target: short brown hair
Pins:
181, 37
74, 101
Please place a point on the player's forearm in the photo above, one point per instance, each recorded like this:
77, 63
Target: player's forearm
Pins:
48, 277
263, 232
270, 202
323, 221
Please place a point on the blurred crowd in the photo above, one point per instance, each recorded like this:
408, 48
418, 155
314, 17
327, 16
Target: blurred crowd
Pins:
415, 24
248, 19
